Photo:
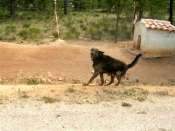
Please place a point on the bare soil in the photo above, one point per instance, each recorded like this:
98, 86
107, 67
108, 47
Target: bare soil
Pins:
149, 90
155, 114
71, 61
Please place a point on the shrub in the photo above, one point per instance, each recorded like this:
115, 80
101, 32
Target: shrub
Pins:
26, 25
30, 34
10, 29
23, 34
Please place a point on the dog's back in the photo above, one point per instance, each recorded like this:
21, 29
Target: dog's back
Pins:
104, 63
107, 64
111, 64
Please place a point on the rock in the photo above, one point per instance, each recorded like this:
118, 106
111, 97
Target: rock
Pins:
125, 104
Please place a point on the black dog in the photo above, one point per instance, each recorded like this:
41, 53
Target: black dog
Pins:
106, 64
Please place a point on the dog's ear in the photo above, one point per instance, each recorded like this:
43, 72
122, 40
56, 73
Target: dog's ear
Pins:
100, 53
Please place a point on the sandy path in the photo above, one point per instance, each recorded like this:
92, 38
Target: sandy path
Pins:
155, 114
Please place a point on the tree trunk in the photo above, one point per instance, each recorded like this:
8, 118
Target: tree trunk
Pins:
138, 13
171, 11
66, 6
117, 19
12, 8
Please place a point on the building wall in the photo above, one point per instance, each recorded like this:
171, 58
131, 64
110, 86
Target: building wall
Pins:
160, 40
160, 43
140, 30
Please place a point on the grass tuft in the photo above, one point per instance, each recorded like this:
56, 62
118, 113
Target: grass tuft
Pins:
49, 99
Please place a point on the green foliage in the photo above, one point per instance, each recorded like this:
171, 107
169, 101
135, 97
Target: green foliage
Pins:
32, 81
30, 33
92, 19
8, 32
10, 29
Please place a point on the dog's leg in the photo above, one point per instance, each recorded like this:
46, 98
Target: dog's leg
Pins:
119, 79
111, 81
102, 79
92, 78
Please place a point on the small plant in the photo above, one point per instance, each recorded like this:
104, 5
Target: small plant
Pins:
33, 81
49, 99
125, 104
110, 92
23, 94
135, 93
162, 93
70, 90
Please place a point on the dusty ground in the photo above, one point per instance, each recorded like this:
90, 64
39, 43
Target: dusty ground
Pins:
155, 114
70, 106
71, 61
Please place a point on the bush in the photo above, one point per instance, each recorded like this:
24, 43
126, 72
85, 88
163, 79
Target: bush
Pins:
10, 29
77, 25
30, 34
26, 25
8, 32
23, 34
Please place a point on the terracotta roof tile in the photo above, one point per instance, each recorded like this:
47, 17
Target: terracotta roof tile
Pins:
159, 25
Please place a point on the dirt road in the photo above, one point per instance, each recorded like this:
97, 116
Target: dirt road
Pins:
71, 61
55, 108
155, 114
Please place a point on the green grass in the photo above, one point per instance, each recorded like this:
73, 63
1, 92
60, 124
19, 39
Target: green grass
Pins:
35, 27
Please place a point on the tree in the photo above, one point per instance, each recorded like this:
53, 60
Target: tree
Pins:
12, 8
171, 11
65, 6
117, 10
138, 12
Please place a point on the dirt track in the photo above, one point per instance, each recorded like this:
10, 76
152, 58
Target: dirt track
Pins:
152, 115
23, 108
72, 62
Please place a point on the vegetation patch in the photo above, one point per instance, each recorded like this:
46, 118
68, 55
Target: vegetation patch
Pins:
50, 100
23, 94
134, 93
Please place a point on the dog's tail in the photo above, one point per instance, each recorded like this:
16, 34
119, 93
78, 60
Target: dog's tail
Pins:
134, 61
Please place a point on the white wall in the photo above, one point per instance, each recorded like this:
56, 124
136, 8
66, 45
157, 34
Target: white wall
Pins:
159, 40
140, 30
154, 41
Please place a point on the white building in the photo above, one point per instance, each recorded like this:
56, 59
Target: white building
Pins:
155, 37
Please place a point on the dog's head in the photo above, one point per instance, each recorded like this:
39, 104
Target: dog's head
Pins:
96, 54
